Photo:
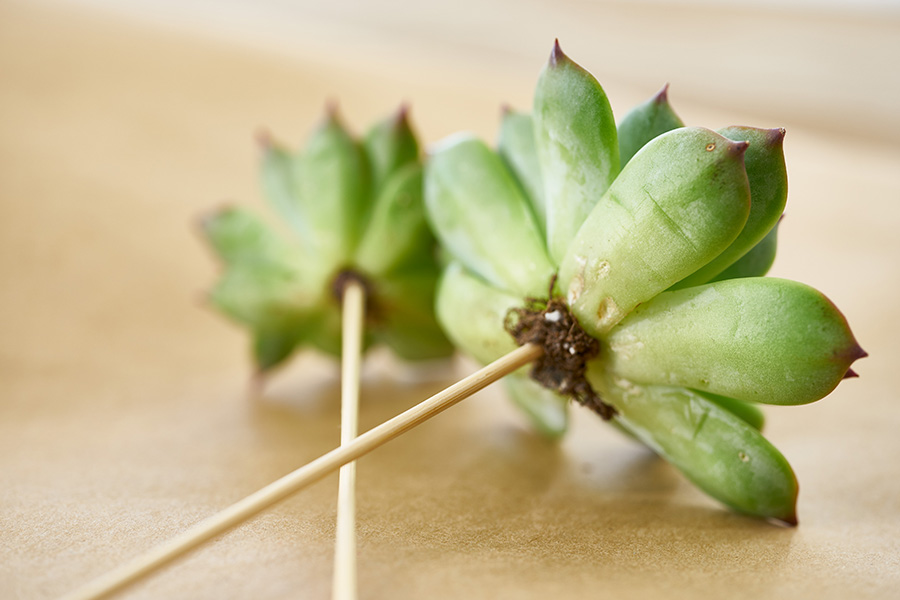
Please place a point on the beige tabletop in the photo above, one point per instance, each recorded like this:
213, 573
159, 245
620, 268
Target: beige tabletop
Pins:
124, 413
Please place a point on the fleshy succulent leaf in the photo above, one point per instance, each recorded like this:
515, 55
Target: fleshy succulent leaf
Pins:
722, 454
472, 313
575, 135
746, 411
390, 145
479, 214
766, 340
756, 262
516, 147
263, 294
333, 192
404, 315
766, 172
397, 233
645, 122
547, 410
413, 341
273, 346
279, 173
237, 235
325, 333
680, 201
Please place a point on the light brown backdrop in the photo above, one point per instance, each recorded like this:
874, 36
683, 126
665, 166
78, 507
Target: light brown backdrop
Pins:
123, 414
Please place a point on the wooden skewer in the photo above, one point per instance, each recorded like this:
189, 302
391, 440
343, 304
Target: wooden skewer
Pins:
255, 503
344, 585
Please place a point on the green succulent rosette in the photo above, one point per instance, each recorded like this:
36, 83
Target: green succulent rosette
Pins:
353, 209
650, 240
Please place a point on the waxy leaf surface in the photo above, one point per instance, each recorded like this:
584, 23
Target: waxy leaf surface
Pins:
722, 454
680, 201
645, 122
516, 147
766, 172
763, 340
480, 215
472, 313
575, 135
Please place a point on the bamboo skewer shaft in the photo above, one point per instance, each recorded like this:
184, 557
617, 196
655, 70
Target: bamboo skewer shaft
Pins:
344, 586
280, 489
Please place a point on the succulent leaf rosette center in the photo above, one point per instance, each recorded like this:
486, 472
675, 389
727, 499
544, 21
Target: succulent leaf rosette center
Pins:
654, 237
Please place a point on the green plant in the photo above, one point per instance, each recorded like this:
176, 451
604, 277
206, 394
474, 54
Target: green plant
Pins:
354, 210
634, 256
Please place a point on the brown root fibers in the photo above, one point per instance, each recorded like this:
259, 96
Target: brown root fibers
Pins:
567, 349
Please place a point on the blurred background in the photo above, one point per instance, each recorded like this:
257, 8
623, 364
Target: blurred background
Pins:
822, 63
123, 408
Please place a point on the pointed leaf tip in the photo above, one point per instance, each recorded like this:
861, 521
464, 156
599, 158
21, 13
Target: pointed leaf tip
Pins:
202, 221
789, 521
264, 139
662, 96
851, 355
401, 118
203, 299
332, 112
851, 374
775, 136
737, 148
557, 55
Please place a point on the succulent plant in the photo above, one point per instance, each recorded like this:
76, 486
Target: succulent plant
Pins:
354, 210
634, 255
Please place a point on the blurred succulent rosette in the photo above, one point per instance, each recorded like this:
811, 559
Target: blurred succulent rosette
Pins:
350, 209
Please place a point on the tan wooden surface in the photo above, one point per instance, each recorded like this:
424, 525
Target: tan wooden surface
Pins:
124, 416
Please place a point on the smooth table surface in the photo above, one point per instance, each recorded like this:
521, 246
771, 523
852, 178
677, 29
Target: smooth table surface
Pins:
124, 413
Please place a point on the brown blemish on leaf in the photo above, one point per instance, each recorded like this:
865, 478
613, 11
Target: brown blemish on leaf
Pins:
605, 309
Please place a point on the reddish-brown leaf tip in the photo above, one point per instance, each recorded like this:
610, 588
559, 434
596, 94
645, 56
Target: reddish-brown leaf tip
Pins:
401, 118
788, 521
264, 139
850, 374
331, 109
775, 137
737, 148
662, 96
201, 221
557, 55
